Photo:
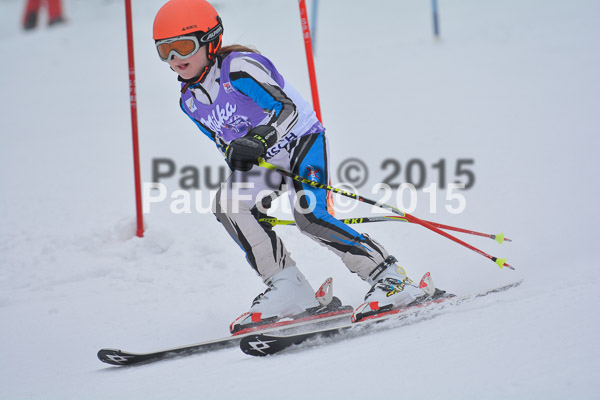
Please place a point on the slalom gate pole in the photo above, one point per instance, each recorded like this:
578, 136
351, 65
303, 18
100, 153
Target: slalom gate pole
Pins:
435, 19
309, 58
363, 220
134, 124
312, 76
313, 24
501, 262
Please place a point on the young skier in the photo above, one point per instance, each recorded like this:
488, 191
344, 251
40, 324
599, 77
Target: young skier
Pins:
240, 101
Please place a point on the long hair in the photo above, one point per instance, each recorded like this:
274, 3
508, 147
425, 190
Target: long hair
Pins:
221, 54
227, 50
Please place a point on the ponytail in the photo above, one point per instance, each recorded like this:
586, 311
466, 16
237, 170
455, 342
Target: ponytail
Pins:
226, 50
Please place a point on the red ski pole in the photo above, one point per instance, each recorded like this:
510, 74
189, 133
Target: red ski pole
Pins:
362, 220
501, 262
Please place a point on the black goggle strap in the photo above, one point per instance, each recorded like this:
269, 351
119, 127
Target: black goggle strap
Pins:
212, 34
214, 38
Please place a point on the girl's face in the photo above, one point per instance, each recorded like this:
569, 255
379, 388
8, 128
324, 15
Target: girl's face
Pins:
192, 66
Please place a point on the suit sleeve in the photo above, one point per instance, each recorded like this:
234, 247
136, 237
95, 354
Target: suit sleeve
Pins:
254, 80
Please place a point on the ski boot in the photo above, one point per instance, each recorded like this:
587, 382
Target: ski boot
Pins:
392, 288
288, 295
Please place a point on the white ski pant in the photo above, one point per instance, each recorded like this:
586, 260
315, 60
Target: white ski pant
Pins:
238, 204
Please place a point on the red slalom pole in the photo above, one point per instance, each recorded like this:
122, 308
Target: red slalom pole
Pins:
313, 78
134, 124
309, 58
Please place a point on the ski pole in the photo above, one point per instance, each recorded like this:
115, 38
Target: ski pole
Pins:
362, 220
501, 262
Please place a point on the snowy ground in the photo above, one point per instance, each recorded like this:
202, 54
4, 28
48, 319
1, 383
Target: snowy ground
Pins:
512, 85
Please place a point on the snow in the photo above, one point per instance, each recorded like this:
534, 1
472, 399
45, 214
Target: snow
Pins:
512, 85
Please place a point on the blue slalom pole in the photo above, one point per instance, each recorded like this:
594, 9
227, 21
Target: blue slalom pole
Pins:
436, 25
313, 24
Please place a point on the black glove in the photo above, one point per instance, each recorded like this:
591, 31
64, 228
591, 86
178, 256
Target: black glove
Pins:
243, 153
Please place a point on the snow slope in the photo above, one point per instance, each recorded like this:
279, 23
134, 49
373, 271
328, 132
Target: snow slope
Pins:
512, 85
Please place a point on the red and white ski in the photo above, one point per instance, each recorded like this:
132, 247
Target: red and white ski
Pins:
332, 313
121, 357
263, 344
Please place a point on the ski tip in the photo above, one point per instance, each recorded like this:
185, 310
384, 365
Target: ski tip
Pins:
113, 356
258, 345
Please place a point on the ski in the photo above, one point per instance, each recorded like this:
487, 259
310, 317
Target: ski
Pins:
321, 321
263, 343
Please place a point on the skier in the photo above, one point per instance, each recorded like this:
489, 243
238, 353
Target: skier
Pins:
240, 101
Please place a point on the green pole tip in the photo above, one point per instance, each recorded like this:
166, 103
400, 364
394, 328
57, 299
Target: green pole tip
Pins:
499, 238
501, 262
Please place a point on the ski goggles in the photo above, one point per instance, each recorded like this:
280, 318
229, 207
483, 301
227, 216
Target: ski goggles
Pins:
181, 46
187, 46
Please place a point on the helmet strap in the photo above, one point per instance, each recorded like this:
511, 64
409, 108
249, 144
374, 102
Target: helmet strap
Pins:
212, 49
200, 78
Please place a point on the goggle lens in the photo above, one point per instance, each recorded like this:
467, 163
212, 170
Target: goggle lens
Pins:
184, 47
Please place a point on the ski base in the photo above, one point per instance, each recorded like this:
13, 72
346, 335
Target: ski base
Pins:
285, 327
263, 344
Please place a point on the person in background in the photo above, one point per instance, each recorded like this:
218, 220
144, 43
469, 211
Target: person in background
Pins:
32, 11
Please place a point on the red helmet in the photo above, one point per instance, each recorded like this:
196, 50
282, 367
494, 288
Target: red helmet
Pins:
190, 17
